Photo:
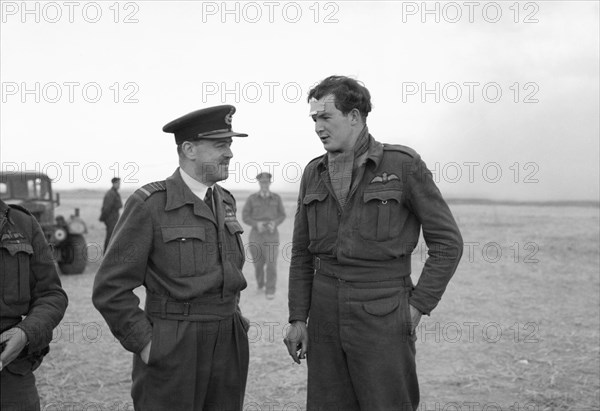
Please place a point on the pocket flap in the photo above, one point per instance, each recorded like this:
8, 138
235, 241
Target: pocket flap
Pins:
181, 232
309, 198
381, 308
234, 227
14, 248
384, 195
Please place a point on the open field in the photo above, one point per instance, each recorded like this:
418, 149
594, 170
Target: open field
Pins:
518, 327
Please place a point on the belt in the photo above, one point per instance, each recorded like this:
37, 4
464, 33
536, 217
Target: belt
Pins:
330, 267
202, 309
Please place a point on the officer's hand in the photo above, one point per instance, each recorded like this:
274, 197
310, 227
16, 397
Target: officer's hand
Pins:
296, 339
261, 227
415, 317
270, 226
13, 341
145, 353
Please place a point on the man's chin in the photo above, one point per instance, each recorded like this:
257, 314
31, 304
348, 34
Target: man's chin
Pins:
223, 173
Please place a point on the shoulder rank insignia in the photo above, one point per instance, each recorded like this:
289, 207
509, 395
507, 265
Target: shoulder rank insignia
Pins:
151, 188
384, 178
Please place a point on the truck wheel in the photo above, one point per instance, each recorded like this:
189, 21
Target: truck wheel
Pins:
74, 255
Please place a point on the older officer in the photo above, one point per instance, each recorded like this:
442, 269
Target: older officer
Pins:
180, 239
111, 205
264, 211
32, 304
360, 208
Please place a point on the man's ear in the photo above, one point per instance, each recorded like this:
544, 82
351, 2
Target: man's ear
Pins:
355, 117
188, 149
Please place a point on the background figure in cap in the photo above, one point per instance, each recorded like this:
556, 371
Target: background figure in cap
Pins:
264, 211
111, 205
180, 239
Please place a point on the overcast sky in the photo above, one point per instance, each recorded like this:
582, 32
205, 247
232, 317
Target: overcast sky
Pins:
500, 99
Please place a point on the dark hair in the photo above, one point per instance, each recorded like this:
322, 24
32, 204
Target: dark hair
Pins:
115, 179
349, 94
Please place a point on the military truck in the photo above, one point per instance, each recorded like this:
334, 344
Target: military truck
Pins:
33, 191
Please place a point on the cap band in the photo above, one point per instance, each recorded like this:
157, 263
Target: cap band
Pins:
208, 133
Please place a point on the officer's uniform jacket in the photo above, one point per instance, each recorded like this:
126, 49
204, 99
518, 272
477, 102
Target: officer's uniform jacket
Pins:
32, 297
111, 206
392, 197
258, 209
169, 241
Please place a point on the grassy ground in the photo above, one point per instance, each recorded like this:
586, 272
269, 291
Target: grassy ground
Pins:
518, 327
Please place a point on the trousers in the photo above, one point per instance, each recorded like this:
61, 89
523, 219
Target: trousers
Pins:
361, 354
264, 249
18, 391
193, 366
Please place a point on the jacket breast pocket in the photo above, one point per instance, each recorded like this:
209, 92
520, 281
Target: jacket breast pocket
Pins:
382, 215
317, 214
187, 249
16, 264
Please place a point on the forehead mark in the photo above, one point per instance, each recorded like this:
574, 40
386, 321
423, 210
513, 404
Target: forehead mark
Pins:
321, 105
316, 106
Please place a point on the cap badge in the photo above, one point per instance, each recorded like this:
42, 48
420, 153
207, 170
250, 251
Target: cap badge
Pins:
229, 115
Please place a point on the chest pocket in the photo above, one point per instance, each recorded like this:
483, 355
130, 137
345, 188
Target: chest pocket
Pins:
187, 249
382, 215
15, 269
317, 213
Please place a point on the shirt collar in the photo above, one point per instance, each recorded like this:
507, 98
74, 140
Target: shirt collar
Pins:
196, 186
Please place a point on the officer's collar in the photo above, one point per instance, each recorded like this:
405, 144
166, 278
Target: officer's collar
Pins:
178, 192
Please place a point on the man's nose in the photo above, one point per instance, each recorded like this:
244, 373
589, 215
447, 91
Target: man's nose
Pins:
228, 153
319, 126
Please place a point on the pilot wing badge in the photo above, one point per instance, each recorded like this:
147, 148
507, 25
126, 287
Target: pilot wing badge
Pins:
384, 178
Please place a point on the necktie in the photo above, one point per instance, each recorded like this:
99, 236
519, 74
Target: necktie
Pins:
208, 199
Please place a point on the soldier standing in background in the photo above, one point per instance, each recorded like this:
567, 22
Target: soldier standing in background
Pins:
32, 304
110, 209
361, 207
264, 211
180, 239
